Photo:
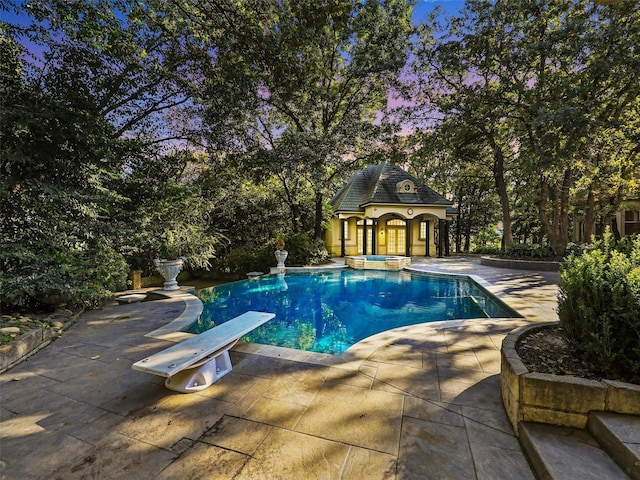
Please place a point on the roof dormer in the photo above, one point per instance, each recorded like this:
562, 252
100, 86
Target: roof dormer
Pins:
405, 186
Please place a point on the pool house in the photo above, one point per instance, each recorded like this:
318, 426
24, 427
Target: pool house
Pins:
384, 210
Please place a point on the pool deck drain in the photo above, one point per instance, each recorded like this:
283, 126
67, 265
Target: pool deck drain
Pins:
415, 402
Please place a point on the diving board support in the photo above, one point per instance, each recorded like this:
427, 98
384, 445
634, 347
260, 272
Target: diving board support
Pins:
197, 363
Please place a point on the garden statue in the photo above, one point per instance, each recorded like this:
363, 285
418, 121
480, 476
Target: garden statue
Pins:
169, 270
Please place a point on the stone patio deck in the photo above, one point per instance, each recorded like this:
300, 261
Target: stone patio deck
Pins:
412, 403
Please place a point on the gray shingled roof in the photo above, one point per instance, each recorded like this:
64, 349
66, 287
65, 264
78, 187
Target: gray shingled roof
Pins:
376, 184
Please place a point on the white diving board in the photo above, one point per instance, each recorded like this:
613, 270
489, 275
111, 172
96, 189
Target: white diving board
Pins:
196, 363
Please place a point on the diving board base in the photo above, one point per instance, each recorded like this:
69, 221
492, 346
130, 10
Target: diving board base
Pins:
200, 361
198, 378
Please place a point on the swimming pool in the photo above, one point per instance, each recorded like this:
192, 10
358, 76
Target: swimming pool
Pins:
328, 311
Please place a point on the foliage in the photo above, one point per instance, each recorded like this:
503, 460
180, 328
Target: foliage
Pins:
302, 250
82, 277
577, 249
523, 110
488, 234
112, 56
58, 170
79, 189
487, 250
599, 301
298, 91
529, 250
243, 260
459, 167
550, 91
247, 212
627, 245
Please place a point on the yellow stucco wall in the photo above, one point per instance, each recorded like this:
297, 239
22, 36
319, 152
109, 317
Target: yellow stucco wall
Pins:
418, 247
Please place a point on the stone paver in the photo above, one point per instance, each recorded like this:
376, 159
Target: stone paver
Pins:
416, 402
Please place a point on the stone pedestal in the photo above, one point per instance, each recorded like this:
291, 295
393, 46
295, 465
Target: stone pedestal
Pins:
135, 277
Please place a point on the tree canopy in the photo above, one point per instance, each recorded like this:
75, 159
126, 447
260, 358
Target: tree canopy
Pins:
132, 128
540, 85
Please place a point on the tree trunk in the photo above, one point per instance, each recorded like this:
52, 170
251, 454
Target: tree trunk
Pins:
459, 224
542, 204
564, 211
501, 187
467, 234
294, 205
557, 227
615, 230
295, 217
590, 216
317, 228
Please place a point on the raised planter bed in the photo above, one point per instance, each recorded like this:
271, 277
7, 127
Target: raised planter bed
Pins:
24, 346
557, 399
518, 264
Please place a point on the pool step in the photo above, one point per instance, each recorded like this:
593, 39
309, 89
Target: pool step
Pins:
608, 450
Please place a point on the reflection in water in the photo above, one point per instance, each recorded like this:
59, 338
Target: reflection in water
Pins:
331, 310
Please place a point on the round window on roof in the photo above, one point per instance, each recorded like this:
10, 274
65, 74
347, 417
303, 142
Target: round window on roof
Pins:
405, 186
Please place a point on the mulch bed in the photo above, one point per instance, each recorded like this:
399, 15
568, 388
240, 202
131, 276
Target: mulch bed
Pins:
548, 350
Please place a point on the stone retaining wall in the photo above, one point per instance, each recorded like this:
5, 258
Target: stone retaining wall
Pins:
24, 346
517, 264
30, 342
557, 399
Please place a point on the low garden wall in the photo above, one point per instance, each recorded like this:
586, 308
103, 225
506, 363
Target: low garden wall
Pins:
30, 342
557, 399
518, 264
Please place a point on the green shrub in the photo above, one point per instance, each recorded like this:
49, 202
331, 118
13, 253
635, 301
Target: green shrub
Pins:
55, 276
302, 250
577, 248
244, 259
627, 245
599, 306
529, 250
101, 272
305, 251
487, 250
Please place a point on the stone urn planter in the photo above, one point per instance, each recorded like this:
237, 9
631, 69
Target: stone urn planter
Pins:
169, 269
281, 253
281, 256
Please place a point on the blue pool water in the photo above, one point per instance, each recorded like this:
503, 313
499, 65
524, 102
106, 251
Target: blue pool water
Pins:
328, 311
